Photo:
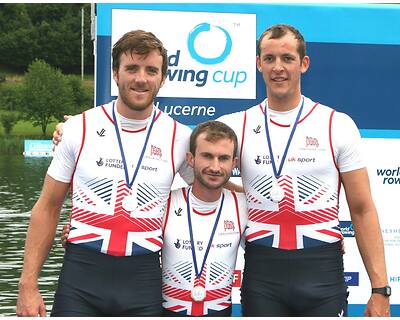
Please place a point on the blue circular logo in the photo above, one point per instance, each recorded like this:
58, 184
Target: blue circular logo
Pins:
204, 27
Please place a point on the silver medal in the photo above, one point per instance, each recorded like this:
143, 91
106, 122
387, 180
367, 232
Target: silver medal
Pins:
198, 293
130, 203
277, 193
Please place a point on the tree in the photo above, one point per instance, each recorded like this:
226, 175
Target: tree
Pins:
46, 94
8, 119
10, 103
47, 31
83, 96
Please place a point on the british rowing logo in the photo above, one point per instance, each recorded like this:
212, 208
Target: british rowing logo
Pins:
312, 142
156, 151
229, 225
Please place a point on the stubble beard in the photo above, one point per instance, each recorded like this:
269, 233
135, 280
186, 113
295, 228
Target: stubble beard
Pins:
124, 94
203, 182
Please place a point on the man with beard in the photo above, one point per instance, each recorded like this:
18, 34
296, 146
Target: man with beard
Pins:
119, 160
202, 229
203, 225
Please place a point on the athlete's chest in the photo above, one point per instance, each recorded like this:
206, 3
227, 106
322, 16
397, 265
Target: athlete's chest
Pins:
126, 154
221, 234
304, 148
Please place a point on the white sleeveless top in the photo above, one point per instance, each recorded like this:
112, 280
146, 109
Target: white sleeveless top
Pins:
308, 215
98, 219
177, 261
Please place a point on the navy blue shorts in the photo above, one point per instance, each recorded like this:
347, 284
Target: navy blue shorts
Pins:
306, 282
96, 284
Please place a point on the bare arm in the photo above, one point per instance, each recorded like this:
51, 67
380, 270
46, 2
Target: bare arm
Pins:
234, 187
365, 221
42, 227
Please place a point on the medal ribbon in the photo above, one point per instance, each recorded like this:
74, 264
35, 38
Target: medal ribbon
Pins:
278, 173
196, 270
121, 148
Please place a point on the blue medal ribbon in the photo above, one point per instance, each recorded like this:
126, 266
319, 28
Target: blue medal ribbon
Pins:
196, 270
121, 148
278, 173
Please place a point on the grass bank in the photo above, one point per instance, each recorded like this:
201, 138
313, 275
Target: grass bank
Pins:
13, 144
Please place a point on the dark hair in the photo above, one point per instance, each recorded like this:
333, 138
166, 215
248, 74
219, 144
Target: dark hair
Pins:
139, 42
278, 31
215, 131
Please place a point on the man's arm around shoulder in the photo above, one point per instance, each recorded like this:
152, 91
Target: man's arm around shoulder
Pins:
40, 236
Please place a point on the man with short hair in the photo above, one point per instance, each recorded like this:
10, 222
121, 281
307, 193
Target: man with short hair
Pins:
203, 225
202, 228
119, 160
294, 154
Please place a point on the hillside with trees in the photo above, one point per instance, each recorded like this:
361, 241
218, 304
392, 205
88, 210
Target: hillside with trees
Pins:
40, 66
45, 31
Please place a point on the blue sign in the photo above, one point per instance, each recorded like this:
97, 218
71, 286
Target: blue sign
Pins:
346, 227
351, 279
38, 148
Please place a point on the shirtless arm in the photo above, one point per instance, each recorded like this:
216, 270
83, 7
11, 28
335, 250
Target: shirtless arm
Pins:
365, 221
42, 227
234, 187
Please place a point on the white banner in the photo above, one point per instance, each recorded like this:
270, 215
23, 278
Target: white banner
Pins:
208, 51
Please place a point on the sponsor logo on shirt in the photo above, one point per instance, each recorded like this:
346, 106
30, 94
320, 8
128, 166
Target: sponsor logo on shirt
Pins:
100, 162
178, 212
148, 168
257, 130
312, 142
184, 244
229, 225
113, 163
257, 160
265, 159
155, 152
222, 245
101, 133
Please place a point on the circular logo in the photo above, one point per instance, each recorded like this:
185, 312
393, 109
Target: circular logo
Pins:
205, 27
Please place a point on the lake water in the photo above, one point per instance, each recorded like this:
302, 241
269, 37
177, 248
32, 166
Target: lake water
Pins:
21, 181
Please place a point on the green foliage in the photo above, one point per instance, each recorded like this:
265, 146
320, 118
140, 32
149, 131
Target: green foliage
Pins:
25, 129
8, 119
46, 31
11, 96
46, 94
11, 145
83, 96
2, 77
10, 103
